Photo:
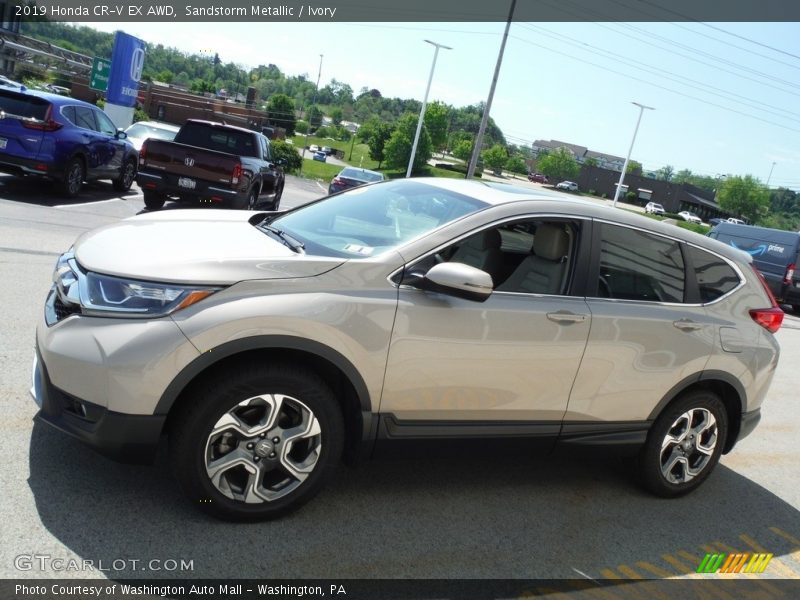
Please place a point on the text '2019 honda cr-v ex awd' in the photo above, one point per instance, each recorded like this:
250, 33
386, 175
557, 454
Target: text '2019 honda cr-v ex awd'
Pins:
266, 346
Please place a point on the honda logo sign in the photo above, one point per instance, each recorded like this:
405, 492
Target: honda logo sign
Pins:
188, 161
137, 64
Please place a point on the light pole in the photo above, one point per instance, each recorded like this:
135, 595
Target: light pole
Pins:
770, 174
642, 108
313, 103
424, 104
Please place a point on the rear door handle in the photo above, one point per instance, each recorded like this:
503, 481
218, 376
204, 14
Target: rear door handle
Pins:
566, 317
687, 325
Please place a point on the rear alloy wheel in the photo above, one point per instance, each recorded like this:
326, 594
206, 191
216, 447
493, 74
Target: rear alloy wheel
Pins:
125, 180
73, 178
153, 200
258, 442
252, 200
684, 444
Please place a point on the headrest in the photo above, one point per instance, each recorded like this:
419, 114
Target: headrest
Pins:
485, 240
550, 242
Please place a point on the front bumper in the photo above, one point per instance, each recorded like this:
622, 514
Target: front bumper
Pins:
122, 437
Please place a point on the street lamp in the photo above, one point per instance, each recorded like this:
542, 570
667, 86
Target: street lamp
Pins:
642, 108
424, 104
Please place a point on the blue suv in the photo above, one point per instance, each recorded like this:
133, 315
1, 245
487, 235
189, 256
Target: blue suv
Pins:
62, 139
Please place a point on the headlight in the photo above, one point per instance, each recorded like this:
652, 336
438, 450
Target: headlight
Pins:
103, 294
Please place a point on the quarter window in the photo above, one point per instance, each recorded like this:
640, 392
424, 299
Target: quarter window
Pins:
85, 118
715, 277
635, 265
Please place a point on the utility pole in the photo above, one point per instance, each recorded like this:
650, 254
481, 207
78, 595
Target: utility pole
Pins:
770, 174
313, 103
476, 150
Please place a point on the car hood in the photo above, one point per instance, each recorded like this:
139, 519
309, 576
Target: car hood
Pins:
193, 247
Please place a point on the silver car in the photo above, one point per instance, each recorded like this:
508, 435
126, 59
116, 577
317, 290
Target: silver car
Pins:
266, 346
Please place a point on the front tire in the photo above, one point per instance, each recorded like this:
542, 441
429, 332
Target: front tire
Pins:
126, 176
74, 174
684, 444
257, 442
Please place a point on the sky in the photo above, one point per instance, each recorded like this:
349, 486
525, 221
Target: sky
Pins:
725, 94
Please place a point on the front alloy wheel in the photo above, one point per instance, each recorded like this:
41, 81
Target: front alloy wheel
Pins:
684, 444
256, 441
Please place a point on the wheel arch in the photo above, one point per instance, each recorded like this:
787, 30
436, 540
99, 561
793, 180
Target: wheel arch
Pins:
335, 369
726, 386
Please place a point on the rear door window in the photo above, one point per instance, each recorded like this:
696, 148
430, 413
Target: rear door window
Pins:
104, 123
635, 265
84, 117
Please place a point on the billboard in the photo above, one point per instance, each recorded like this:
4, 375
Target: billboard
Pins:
127, 61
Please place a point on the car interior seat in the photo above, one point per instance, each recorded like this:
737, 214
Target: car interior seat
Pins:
544, 271
481, 251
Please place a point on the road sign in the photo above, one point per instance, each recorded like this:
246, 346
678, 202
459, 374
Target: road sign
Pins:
101, 68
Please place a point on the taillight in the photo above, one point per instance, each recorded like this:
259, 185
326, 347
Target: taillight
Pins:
787, 279
46, 124
237, 172
142, 153
769, 318
337, 181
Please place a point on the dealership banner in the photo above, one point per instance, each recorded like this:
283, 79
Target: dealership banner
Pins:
127, 61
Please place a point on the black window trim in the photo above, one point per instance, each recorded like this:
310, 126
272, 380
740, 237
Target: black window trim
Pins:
593, 273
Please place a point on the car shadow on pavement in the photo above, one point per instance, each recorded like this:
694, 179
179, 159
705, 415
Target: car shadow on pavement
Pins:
506, 517
33, 190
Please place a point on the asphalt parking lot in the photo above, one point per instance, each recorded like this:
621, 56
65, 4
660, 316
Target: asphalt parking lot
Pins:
470, 517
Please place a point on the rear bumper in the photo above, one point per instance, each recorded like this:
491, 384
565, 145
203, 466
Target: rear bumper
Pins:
122, 437
16, 165
167, 184
749, 422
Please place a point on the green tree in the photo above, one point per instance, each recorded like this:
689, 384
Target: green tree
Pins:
289, 153
590, 162
665, 173
314, 117
280, 109
559, 165
634, 168
398, 148
495, 158
437, 115
375, 133
463, 150
336, 116
516, 164
744, 197
301, 127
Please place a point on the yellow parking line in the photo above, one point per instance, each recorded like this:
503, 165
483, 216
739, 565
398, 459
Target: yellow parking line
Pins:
785, 535
626, 590
649, 588
775, 565
761, 581
657, 571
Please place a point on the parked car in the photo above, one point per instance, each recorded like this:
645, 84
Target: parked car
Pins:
265, 344
320, 156
327, 150
689, 216
313, 148
10, 83
775, 252
569, 186
715, 221
142, 130
735, 221
58, 89
351, 177
538, 178
654, 208
62, 139
211, 162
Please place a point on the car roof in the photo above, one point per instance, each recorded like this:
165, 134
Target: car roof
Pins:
757, 233
501, 193
159, 124
55, 99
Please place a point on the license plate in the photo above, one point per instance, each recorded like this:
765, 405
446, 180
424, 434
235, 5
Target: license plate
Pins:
185, 182
3, 142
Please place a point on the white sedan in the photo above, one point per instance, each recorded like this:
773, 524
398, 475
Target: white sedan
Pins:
690, 217
570, 186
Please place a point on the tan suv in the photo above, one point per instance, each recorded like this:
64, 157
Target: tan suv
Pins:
265, 345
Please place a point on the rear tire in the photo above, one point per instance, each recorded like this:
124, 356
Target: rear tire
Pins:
153, 200
74, 175
256, 442
276, 202
126, 176
684, 444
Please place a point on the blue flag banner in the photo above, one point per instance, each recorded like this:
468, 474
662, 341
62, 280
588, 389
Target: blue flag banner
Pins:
127, 61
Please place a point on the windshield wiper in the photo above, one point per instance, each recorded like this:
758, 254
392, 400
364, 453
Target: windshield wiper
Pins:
295, 245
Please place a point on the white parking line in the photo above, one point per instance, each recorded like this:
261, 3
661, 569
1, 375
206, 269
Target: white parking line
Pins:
91, 203
322, 187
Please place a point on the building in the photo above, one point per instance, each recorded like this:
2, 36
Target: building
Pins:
580, 154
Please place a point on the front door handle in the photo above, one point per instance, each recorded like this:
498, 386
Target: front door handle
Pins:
566, 317
687, 325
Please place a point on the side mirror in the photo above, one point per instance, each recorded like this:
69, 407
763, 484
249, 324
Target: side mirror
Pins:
281, 162
458, 279
121, 135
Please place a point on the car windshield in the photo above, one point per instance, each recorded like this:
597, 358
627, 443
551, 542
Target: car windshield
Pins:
138, 130
361, 175
366, 221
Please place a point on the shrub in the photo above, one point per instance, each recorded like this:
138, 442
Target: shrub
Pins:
289, 153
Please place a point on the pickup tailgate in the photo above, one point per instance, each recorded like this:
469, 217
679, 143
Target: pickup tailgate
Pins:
188, 163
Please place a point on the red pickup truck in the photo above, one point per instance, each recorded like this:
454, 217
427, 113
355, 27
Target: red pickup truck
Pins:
211, 162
